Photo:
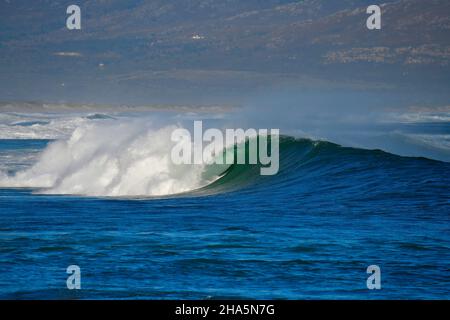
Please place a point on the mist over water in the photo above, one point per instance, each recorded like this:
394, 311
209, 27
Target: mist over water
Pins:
403, 123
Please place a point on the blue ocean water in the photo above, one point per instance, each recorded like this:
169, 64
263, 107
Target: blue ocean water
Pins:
308, 233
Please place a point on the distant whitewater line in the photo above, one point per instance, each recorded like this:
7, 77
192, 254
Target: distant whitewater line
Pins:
27, 107
38, 121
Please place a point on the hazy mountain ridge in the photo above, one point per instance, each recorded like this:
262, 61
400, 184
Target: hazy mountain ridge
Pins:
235, 30
124, 41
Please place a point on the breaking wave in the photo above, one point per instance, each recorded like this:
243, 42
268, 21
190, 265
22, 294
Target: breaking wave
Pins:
97, 155
111, 160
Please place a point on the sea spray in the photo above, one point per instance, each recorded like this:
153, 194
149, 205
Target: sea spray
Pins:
126, 159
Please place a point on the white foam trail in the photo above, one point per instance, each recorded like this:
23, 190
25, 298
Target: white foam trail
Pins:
113, 159
13, 126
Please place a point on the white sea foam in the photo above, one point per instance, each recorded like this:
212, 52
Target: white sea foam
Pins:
111, 159
39, 126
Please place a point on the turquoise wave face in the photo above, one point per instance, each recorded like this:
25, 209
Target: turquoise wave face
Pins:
304, 161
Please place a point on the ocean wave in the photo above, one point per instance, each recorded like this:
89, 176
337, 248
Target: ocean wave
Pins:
125, 159
115, 155
130, 159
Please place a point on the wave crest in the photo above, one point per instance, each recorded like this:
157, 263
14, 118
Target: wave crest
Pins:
126, 159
